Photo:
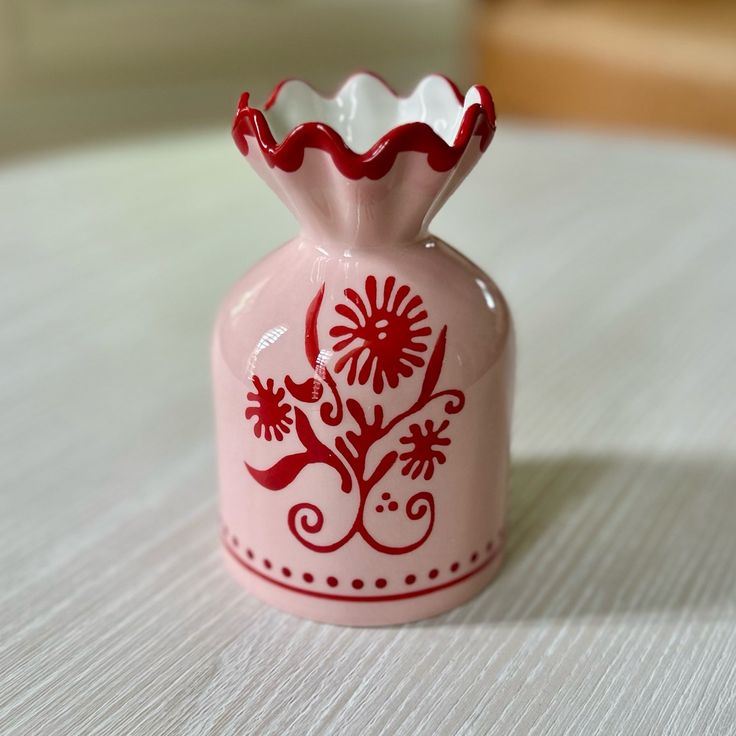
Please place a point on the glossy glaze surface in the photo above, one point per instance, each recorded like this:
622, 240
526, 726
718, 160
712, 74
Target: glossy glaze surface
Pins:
363, 377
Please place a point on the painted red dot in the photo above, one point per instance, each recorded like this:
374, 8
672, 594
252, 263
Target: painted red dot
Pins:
379, 508
267, 564
286, 572
357, 583
393, 506
308, 577
380, 583
249, 553
454, 567
385, 496
474, 557
332, 581
433, 573
489, 546
410, 579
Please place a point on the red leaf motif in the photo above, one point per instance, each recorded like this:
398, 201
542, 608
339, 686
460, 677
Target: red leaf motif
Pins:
311, 338
383, 467
309, 392
279, 476
317, 452
434, 367
331, 413
305, 432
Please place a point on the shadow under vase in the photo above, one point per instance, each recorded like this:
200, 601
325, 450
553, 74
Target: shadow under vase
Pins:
595, 536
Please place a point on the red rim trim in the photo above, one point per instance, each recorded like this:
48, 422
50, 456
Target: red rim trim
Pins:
365, 598
478, 120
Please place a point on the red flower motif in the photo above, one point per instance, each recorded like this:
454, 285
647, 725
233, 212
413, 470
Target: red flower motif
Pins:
423, 455
388, 334
271, 415
385, 339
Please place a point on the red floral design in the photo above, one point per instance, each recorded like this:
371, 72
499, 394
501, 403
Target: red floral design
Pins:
387, 332
422, 457
390, 335
272, 417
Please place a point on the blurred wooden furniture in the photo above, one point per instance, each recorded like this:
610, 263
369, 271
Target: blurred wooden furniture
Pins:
666, 65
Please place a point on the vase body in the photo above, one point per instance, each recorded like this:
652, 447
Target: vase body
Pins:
363, 377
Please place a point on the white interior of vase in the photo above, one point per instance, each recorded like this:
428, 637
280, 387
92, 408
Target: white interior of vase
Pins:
364, 109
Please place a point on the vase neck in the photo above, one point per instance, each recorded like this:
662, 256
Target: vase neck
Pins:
354, 227
396, 208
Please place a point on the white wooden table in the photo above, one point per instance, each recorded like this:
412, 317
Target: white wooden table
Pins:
616, 611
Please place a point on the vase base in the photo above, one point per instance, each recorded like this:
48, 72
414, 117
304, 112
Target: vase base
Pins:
353, 610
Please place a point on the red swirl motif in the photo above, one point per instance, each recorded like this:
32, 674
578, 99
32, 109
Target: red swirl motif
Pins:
250, 126
376, 348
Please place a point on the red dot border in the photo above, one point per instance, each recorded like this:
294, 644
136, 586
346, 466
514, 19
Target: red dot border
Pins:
405, 581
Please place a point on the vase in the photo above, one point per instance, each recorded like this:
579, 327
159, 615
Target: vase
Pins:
363, 371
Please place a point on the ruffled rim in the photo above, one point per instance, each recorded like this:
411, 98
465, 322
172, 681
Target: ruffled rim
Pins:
479, 119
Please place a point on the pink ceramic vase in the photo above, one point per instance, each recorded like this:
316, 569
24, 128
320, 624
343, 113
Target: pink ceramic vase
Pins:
363, 371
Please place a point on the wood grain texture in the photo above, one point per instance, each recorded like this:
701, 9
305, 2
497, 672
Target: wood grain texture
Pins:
616, 611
